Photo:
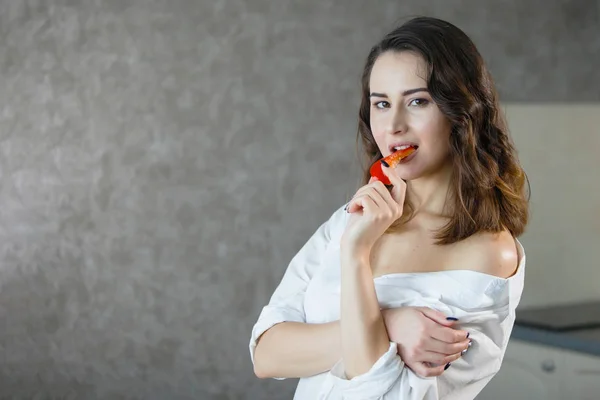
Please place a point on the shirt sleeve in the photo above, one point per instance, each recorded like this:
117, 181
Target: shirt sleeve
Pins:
389, 378
287, 302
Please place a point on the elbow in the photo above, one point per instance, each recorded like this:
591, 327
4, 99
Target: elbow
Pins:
267, 360
261, 369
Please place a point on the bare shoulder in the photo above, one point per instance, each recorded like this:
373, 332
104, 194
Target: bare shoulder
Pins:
491, 253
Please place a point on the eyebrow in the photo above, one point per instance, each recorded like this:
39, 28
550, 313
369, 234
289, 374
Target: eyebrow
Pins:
405, 93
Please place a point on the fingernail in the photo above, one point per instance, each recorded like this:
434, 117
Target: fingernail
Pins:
385, 164
451, 319
468, 334
447, 366
470, 343
464, 351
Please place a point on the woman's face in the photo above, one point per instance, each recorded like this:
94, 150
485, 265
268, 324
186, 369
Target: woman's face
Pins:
402, 112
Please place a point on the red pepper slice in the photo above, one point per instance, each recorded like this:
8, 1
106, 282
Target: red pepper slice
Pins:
392, 160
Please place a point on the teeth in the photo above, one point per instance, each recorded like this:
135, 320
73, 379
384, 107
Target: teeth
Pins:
406, 146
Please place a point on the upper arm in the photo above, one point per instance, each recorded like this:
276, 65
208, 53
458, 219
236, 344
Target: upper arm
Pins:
287, 301
304, 264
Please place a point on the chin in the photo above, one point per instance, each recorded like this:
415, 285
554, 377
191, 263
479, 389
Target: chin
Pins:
414, 170
409, 174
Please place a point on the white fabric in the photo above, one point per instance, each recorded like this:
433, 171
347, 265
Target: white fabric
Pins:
485, 305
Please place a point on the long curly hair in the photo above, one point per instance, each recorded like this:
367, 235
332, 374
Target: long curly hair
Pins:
488, 183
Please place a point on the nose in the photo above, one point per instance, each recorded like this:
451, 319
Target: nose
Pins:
396, 123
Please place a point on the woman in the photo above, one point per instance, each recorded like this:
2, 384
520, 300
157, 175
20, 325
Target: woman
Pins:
409, 292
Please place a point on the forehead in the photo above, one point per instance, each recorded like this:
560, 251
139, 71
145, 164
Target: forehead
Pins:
398, 71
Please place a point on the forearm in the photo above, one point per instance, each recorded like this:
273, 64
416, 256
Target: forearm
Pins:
363, 333
296, 350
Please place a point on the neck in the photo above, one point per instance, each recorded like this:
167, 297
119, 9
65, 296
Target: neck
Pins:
429, 194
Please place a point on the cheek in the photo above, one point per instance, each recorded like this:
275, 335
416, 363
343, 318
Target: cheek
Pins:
377, 129
436, 132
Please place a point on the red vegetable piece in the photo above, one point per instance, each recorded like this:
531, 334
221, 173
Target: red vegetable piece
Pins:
392, 160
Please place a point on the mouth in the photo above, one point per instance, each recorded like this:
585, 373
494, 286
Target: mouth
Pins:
400, 153
410, 156
401, 147
404, 154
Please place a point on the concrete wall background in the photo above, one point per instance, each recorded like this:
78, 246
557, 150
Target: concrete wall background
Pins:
161, 162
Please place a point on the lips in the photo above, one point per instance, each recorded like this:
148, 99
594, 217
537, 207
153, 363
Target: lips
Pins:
408, 157
401, 146
391, 161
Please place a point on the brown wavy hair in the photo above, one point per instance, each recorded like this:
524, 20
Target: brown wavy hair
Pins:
488, 183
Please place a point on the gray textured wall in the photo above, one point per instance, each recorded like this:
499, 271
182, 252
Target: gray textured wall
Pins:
162, 161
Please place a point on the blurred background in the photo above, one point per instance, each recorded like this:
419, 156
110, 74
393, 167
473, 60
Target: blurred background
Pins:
162, 161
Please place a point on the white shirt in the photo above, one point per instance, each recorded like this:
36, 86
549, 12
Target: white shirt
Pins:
484, 304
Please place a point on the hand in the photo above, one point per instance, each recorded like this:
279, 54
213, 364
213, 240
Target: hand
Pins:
427, 341
374, 209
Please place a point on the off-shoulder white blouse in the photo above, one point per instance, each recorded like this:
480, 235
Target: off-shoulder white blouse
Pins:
484, 304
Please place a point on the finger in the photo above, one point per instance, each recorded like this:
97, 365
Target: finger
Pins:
449, 334
389, 205
381, 205
462, 353
362, 202
438, 316
376, 191
426, 371
385, 194
438, 358
374, 182
398, 184
445, 348
361, 191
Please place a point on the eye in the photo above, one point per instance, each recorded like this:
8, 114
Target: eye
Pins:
419, 102
381, 105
